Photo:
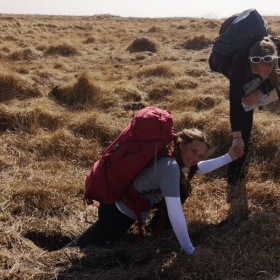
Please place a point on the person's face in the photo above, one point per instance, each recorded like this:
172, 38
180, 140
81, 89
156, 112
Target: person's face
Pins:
261, 69
193, 152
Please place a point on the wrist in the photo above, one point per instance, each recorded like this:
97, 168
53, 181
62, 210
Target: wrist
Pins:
229, 157
190, 251
236, 134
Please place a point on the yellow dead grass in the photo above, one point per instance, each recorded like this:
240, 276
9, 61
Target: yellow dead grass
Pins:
68, 86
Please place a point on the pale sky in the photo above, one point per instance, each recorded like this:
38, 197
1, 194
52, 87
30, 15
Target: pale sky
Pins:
140, 8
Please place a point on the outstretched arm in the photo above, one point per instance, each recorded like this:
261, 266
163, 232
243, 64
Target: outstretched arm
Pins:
209, 165
179, 224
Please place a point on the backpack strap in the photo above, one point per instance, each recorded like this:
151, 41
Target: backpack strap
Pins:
138, 203
160, 221
143, 202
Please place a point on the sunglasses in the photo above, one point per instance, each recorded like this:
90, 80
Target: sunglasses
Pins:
258, 59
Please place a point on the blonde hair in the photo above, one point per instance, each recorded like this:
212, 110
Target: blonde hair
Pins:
267, 47
188, 135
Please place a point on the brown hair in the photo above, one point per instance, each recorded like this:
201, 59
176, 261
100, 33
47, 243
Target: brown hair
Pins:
267, 47
187, 136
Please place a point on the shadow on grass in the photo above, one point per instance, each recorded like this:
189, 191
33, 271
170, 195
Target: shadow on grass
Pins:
241, 247
249, 249
47, 241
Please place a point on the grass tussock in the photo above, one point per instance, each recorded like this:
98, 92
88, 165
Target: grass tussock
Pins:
163, 71
154, 29
142, 45
32, 201
83, 94
13, 86
205, 102
130, 94
63, 144
89, 40
95, 126
62, 49
185, 83
62, 104
28, 121
18, 121
159, 91
196, 43
25, 54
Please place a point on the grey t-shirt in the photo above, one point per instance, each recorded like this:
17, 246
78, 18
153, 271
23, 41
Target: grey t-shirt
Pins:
164, 174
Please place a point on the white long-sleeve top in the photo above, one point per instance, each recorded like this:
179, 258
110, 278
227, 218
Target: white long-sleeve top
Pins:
209, 165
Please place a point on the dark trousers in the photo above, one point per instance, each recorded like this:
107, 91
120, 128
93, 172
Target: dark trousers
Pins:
111, 226
237, 193
235, 168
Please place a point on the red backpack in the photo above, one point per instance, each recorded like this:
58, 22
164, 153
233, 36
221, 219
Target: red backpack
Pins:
144, 140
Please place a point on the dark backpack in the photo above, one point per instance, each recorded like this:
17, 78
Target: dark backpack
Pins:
276, 41
237, 33
143, 140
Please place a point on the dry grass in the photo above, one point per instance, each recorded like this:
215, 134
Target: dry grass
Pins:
141, 45
68, 85
83, 94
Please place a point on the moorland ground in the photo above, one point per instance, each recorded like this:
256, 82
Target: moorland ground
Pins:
69, 85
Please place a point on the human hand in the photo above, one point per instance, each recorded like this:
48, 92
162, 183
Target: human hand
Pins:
235, 151
201, 250
252, 97
237, 147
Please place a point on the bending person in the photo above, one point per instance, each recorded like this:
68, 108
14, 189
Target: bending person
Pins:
114, 220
